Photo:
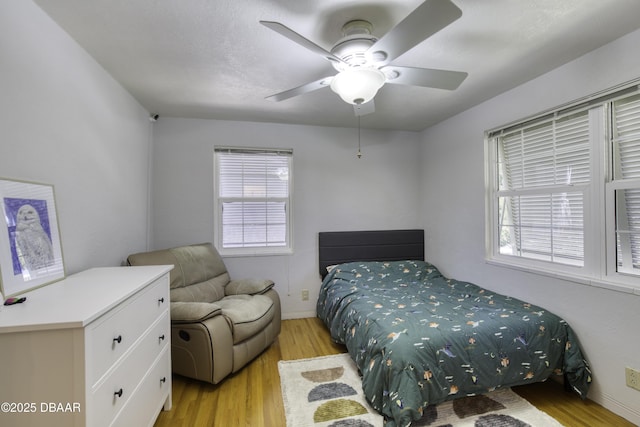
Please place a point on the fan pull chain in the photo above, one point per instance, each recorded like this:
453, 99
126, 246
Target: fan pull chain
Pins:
359, 152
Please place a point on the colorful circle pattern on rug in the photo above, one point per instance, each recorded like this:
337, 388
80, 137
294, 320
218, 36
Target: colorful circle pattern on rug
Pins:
318, 392
480, 408
337, 406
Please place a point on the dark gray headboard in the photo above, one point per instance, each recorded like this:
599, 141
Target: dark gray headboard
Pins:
336, 247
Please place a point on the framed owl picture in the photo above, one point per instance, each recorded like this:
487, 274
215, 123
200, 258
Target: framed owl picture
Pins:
30, 247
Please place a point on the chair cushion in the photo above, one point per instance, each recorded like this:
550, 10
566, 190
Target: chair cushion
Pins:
198, 263
190, 312
248, 286
199, 274
211, 290
246, 314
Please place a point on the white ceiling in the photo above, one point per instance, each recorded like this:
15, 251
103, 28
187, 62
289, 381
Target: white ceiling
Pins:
212, 59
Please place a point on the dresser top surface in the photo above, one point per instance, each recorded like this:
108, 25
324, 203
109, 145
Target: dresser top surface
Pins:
79, 299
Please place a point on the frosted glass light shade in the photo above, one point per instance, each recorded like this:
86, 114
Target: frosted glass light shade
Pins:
358, 85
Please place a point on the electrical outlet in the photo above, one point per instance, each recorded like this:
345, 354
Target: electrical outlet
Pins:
305, 295
633, 378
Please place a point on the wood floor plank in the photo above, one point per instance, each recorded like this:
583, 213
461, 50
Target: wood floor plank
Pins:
568, 408
252, 397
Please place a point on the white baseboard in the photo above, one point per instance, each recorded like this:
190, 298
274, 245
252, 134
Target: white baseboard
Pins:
298, 315
617, 407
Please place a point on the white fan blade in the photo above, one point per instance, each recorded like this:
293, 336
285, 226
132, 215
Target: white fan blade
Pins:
364, 109
429, 18
426, 77
293, 36
309, 87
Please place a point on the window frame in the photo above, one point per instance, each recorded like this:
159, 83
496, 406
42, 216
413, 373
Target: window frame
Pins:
616, 181
536, 191
612, 259
600, 260
218, 203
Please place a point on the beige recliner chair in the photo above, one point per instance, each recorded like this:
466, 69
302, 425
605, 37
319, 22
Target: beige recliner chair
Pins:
218, 325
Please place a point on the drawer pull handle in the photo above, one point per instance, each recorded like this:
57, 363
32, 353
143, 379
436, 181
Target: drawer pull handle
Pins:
118, 339
162, 337
161, 300
163, 379
118, 393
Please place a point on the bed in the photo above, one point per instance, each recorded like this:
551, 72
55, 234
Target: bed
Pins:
419, 338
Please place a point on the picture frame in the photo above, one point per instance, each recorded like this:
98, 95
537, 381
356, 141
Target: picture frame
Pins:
30, 245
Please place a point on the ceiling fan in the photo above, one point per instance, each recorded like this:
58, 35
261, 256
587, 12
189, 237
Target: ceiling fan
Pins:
363, 61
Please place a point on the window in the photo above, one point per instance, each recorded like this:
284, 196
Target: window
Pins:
564, 191
252, 200
624, 189
544, 175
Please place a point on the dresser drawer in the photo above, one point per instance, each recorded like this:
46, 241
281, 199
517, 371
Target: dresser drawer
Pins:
110, 336
142, 410
120, 385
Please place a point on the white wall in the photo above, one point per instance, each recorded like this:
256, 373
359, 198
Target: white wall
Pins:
332, 190
66, 122
454, 210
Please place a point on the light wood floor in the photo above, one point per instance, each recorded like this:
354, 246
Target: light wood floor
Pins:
251, 397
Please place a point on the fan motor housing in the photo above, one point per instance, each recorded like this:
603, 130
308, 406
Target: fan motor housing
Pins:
353, 46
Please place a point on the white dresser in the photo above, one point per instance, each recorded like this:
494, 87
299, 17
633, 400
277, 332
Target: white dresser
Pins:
92, 350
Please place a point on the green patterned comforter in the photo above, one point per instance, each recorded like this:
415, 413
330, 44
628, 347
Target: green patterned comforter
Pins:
419, 338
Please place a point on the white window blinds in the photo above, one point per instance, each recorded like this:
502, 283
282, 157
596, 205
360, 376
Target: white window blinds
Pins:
626, 182
543, 176
253, 198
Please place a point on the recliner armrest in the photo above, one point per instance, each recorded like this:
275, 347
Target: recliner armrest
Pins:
248, 286
190, 312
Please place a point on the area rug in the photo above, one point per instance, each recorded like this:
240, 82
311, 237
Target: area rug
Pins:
326, 392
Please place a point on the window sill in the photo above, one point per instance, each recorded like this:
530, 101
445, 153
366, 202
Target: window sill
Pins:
583, 280
239, 253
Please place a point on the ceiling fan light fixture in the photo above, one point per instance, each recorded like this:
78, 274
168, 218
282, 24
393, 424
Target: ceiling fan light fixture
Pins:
358, 85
